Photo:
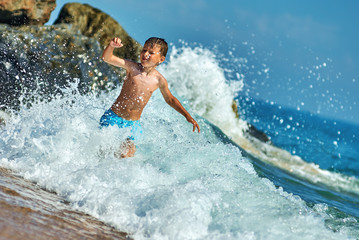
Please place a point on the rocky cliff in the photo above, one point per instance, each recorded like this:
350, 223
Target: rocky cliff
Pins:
94, 23
26, 12
44, 58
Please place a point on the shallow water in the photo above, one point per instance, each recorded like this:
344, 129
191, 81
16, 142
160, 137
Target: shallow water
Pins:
29, 212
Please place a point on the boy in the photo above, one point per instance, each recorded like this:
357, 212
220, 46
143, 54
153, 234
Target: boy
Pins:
142, 79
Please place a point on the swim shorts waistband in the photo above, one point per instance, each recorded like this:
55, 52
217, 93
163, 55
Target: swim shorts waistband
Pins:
109, 118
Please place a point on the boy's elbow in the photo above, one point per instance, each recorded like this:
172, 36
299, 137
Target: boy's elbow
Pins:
172, 101
104, 58
169, 101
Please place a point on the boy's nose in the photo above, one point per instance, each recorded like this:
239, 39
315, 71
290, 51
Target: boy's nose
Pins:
146, 55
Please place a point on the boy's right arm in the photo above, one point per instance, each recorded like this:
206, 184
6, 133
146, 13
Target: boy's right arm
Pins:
108, 56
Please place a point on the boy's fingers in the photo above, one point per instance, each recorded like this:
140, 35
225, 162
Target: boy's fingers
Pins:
195, 125
117, 41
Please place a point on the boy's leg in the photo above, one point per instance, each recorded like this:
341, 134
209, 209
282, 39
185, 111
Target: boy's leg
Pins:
127, 149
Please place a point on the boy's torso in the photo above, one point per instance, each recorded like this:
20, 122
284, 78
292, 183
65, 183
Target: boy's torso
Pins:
136, 92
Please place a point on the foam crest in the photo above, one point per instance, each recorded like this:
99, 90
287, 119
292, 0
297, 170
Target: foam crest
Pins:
195, 74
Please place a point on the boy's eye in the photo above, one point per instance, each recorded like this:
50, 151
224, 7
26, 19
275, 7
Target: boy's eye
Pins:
149, 52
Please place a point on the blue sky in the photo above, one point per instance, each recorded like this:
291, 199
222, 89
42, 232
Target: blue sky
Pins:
310, 47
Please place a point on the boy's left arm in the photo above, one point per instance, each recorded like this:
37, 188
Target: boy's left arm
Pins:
173, 102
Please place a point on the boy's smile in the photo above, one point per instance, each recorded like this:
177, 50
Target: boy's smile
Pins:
151, 56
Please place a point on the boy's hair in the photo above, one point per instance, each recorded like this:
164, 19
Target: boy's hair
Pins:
153, 41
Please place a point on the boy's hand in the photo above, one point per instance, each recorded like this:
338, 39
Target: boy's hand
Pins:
195, 124
116, 43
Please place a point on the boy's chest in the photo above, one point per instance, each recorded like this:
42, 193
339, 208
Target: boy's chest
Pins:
144, 83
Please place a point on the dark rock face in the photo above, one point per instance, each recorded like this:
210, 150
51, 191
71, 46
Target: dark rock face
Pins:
36, 61
26, 12
254, 132
93, 23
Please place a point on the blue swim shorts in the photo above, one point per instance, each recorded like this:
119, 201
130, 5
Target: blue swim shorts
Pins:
111, 118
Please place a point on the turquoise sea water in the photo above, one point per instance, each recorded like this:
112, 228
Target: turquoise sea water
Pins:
184, 185
328, 143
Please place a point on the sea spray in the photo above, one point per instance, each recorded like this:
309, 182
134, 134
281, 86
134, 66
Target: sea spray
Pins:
180, 185
195, 74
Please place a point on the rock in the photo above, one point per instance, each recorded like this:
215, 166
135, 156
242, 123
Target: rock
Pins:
254, 132
26, 12
93, 23
36, 62
251, 130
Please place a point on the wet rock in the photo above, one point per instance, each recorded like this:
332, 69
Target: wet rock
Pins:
37, 61
94, 23
26, 12
254, 132
251, 130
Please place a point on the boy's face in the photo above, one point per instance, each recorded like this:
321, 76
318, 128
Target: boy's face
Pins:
151, 56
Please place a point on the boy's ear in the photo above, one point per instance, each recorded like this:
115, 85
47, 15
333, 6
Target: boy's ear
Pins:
162, 59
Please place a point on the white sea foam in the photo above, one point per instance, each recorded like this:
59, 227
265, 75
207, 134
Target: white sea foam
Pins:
180, 184
195, 75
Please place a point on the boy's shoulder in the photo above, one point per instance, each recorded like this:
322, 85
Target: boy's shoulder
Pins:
159, 75
161, 79
132, 65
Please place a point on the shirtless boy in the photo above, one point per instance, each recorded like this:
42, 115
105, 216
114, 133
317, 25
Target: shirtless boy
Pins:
142, 79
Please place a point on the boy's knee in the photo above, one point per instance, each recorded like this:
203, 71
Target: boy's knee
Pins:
127, 149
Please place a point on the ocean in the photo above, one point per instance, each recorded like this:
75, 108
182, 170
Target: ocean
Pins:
219, 184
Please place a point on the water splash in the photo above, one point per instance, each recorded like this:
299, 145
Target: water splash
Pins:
180, 185
195, 75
